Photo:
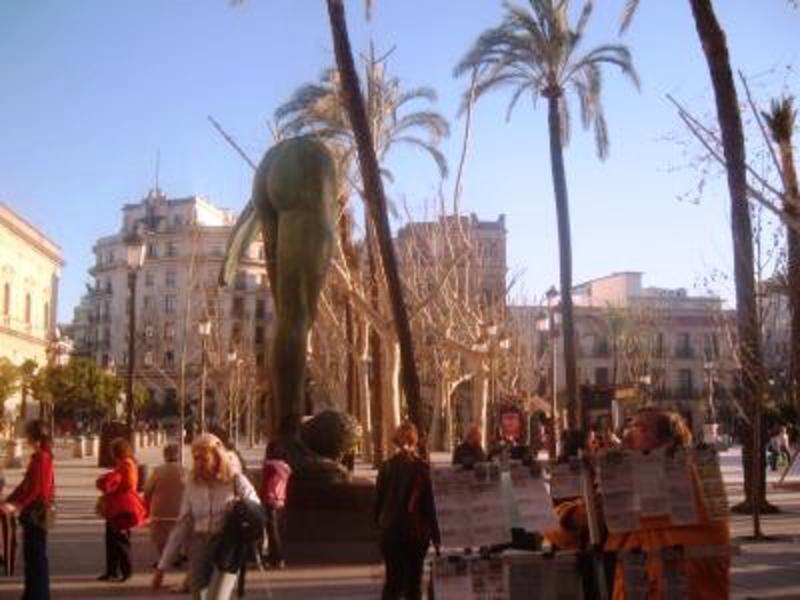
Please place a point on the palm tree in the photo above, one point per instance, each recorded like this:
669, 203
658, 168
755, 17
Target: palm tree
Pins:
781, 120
319, 108
715, 47
373, 189
535, 50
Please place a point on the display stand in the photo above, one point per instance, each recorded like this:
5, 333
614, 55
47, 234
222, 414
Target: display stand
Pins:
477, 508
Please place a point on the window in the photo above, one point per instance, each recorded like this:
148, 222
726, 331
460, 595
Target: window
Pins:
600, 346
237, 307
169, 331
217, 250
28, 309
601, 376
711, 349
7, 299
172, 249
259, 335
685, 382
236, 332
148, 331
109, 288
169, 359
169, 279
176, 221
683, 345
169, 304
260, 308
240, 281
148, 358
152, 251
149, 279
659, 345
260, 359
147, 303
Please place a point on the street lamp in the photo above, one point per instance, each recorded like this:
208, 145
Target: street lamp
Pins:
233, 417
551, 295
134, 255
204, 330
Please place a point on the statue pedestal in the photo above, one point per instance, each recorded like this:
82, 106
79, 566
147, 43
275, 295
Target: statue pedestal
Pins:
330, 522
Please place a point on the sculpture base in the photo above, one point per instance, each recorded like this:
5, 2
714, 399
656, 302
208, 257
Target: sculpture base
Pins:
330, 523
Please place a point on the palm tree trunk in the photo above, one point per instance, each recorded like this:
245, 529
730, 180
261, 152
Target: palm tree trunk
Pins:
792, 207
373, 187
376, 358
712, 39
574, 408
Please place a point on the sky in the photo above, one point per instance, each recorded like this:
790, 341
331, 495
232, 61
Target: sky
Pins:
91, 92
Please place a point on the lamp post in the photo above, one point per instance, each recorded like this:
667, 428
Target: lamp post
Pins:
134, 254
204, 331
233, 413
551, 295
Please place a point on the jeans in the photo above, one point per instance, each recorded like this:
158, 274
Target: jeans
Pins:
404, 563
37, 569
275, 548
118, 551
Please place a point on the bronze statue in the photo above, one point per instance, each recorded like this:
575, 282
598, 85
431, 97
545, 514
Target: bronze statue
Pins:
294, 192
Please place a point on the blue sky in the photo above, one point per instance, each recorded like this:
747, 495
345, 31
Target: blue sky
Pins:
90, 91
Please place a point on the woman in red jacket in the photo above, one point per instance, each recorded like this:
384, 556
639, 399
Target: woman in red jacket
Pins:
36, 489
123, 510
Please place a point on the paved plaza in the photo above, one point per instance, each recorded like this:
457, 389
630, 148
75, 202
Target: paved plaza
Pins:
764, 570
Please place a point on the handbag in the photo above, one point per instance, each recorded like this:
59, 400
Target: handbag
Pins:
38, 514
100, 507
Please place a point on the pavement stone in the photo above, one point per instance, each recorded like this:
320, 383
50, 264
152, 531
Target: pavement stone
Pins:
769, 569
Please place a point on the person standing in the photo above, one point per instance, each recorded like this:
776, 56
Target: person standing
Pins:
210, 492
406, 516
122, 508
35, 494
470, 451
163, 493
275, 476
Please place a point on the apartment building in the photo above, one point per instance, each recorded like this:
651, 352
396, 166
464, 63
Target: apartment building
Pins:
665, 345
451, 237
175, 291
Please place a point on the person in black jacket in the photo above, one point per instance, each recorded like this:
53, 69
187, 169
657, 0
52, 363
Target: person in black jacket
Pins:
406, 516
470, 451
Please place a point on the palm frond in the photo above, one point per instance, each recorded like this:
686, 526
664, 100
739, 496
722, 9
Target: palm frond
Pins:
628, 12
432, 150
781, 119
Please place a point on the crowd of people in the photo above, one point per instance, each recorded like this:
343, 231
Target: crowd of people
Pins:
196, 518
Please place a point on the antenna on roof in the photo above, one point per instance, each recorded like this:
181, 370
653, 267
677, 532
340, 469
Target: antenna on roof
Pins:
158, 166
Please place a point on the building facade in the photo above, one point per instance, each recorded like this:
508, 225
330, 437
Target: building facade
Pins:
655, 344
30, 269
176, 289
453, 237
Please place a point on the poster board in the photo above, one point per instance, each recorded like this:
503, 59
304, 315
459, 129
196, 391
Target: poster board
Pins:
470, 505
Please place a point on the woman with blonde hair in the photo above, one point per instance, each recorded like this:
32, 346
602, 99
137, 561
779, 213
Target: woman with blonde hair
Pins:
211, 490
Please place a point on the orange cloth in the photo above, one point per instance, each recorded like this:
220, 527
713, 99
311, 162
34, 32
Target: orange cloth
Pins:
706, 578
124, 508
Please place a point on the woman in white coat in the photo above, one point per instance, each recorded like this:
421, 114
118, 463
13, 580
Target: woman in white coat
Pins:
212, 489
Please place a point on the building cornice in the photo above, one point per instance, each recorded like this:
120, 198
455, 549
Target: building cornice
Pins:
30, 234
23, 336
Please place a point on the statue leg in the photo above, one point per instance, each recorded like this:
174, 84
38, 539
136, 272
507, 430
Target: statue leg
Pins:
305, 244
